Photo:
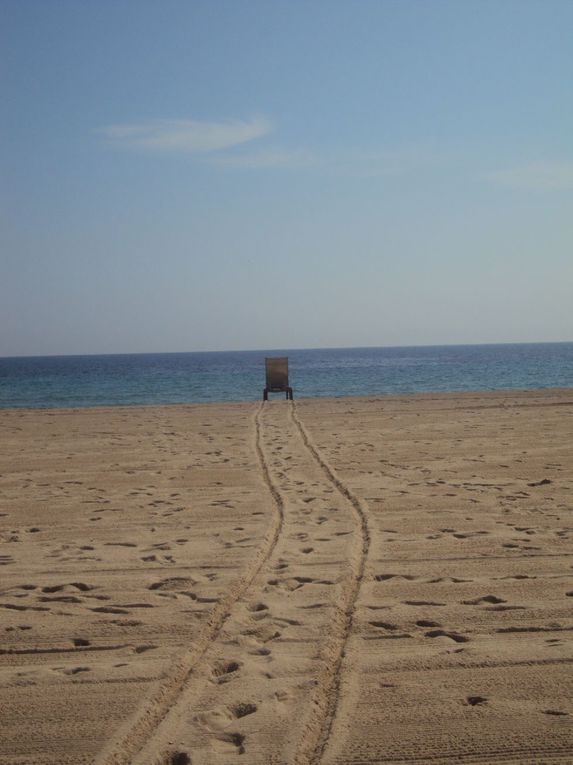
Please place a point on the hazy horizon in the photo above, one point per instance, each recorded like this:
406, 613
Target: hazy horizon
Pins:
229, 176
277, 349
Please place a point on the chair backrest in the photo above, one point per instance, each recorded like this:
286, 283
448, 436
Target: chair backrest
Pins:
277, 372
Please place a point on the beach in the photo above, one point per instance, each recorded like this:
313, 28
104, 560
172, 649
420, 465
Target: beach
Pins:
340, 580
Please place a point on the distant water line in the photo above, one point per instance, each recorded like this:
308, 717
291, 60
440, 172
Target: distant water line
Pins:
177, 378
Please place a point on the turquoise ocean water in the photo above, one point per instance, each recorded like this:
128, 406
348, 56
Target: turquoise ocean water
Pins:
173, 378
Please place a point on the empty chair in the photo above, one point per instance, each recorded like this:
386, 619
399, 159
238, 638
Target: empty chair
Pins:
277, 377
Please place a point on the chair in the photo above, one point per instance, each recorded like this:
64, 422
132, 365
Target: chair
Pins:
277, 377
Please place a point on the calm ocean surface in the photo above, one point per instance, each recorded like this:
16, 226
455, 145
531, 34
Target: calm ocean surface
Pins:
173, 378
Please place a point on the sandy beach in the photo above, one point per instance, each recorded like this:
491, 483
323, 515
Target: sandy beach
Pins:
351, 580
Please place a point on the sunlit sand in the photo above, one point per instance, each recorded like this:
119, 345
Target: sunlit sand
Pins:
353, 580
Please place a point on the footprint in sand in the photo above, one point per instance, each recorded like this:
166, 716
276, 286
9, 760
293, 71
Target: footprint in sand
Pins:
262, 651
76, 670
386, 577
82, 586
120, 544
474, 701
175, 583
243, 709
222, 670
144, 648
384, 625
257, 607
60, 599
263, 632
235, 742
17, 607
178, 758
109, 610
451, 635
483, 599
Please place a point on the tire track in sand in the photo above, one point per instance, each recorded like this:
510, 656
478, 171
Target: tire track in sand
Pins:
179, 678
324, 704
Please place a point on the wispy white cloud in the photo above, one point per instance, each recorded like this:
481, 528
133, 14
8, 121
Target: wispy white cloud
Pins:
536, 177
223, 144
345, 162
186, 136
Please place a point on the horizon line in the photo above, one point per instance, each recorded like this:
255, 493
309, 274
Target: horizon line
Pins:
266, 350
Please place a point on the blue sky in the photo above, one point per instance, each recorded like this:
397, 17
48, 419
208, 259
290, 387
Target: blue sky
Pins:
233, 175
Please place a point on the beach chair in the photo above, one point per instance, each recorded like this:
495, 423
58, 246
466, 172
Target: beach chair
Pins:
277, 377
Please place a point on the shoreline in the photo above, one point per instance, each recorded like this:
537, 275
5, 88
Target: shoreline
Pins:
427, 395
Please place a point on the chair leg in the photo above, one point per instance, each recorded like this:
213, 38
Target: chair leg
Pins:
265, 395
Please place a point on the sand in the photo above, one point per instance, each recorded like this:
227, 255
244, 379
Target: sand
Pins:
353, 580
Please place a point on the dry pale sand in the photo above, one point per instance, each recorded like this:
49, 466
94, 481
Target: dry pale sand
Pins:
373, 580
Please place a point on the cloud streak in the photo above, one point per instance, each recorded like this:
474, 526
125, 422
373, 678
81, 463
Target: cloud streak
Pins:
186, 136
536, 177
346, 162
228, 144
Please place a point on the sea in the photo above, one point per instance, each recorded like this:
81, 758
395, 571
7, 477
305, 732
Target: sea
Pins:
181, 378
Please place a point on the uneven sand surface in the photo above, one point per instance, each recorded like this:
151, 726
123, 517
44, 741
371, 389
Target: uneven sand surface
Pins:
353, 580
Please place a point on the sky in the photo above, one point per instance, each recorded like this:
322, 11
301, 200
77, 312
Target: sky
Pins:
221, 175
